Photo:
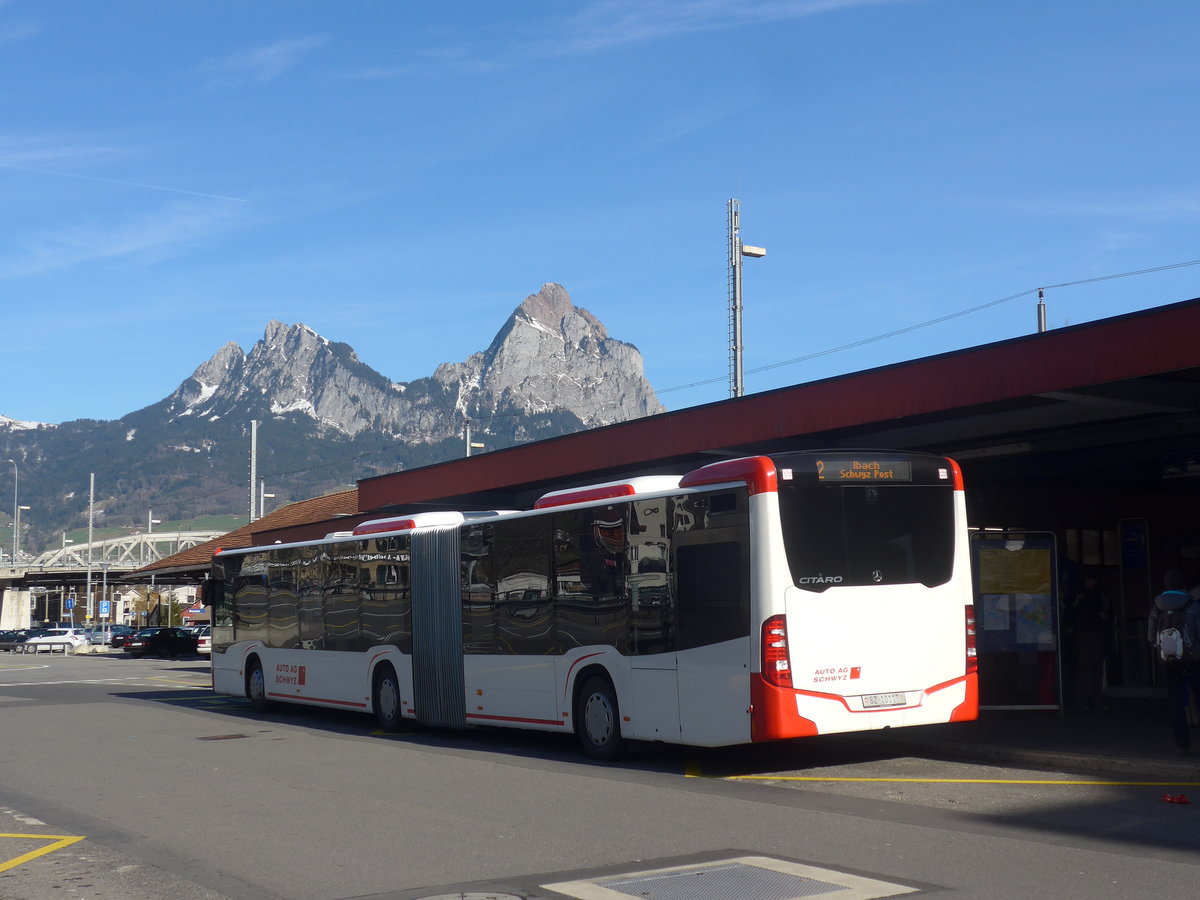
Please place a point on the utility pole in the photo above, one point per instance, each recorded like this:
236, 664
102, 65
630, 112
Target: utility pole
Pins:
467, 438
736, 251
91, 540
253, 465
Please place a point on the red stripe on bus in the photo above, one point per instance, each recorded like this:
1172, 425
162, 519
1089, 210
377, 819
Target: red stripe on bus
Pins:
572, 669
516, 719
956, 474
758, 472
583, 495
389, 525
318, 700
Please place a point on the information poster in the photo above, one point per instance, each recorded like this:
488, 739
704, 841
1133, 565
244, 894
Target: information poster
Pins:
1016, 613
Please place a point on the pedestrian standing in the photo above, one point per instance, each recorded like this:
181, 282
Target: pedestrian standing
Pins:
1087, 626
1174, 629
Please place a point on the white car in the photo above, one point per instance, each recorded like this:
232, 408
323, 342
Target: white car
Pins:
56, 637
204, 635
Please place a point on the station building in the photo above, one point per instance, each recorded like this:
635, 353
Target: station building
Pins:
1080, 449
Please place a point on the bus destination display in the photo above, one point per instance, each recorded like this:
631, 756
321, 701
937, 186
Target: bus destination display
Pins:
863, 469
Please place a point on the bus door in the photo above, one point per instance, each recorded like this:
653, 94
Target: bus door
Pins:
711, 573
654, 698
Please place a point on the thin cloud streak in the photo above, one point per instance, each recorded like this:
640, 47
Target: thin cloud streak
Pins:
611, 24
154, 233
260, 65
1185, 206
118, 181
14, 32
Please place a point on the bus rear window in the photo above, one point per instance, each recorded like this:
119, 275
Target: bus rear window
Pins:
849, 534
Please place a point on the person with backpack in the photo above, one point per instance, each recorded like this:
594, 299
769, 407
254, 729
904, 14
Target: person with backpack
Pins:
1174, 630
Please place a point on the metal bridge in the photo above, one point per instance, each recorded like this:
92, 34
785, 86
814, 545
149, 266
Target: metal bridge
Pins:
129, 552
115, 556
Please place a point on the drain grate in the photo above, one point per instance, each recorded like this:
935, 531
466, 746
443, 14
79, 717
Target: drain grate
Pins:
740, 878
729, 881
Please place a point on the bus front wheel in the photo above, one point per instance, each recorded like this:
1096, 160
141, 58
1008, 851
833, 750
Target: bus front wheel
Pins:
386, 697
598, 720
256, 687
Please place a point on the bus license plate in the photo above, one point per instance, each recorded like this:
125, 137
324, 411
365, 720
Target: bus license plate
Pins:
874, 701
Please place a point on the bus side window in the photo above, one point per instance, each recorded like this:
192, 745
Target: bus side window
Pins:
652, 608
478, 584
590, 562
282, 628
342, 630
310, 605
250, 603
523, 611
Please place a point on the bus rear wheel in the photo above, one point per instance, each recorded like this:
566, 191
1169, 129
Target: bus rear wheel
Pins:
256, 687
598, 720
386, 699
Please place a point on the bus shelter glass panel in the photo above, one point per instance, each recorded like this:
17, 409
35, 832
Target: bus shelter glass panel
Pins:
1016, 620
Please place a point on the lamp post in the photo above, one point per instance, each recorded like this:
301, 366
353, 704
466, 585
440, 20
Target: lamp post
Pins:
737, 250
262, 497
17, 532
14, 556
471, 445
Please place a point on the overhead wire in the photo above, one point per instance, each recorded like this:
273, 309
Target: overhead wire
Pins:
937, 321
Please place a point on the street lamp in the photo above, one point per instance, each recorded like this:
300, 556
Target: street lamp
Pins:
17, 532
149, 543
14, 464
471, 445
262, 497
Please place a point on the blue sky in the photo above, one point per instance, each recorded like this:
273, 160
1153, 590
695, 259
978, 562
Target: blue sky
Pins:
400, 175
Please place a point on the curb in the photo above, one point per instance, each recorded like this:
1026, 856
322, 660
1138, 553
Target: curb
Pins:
1116, 767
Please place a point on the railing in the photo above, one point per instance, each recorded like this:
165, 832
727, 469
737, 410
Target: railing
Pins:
68, 647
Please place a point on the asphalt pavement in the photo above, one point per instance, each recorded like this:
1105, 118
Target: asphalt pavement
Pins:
1130, 738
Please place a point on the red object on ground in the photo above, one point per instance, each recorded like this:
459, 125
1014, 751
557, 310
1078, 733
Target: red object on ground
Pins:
1176, 798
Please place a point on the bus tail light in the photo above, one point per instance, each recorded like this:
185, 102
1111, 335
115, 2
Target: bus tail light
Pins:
776, 660
972, 653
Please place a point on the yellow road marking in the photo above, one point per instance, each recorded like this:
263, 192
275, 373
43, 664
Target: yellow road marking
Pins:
187, 684
957, 781
59, 840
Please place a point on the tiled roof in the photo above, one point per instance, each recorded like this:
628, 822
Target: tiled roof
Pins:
303, 512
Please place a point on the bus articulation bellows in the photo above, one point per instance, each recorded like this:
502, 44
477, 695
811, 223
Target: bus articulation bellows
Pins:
754, 599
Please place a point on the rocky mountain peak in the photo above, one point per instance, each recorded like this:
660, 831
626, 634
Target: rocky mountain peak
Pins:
549, 355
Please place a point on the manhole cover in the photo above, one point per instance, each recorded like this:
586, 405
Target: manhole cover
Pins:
730, 881
740, 878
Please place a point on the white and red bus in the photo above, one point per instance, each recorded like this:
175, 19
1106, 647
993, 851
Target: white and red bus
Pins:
753, 599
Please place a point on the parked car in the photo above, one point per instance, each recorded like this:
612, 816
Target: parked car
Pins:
106, 634
204, 638
10, 640
162, 641
56, 636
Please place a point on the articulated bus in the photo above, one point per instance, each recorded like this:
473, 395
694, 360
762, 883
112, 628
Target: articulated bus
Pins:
753, 599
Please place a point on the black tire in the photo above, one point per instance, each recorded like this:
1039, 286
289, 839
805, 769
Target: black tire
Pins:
598, 720
385, 698
256, 687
